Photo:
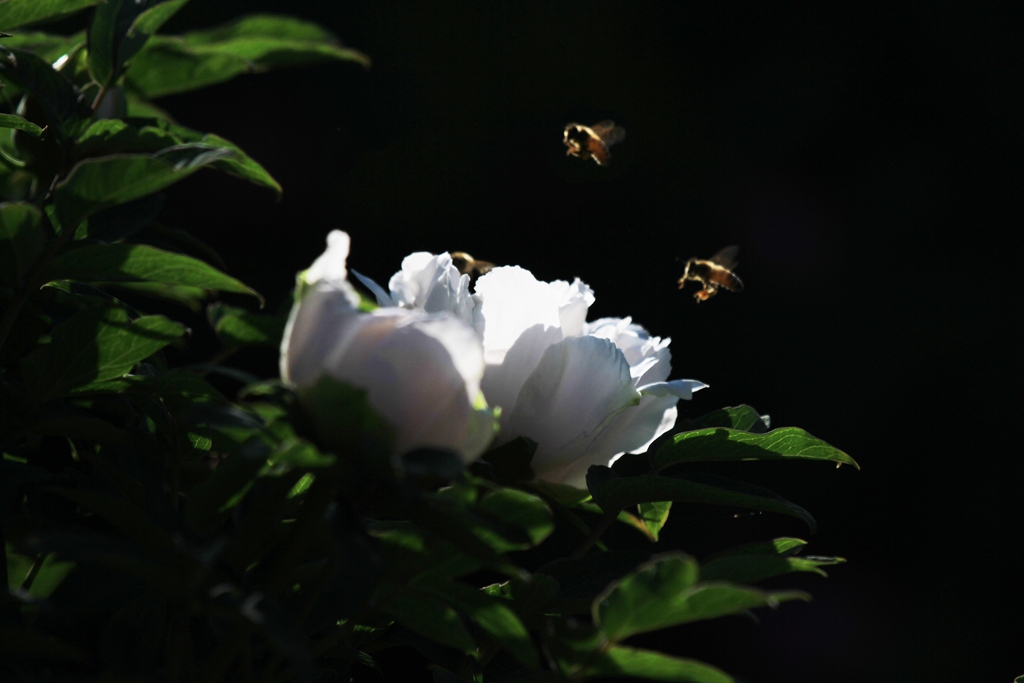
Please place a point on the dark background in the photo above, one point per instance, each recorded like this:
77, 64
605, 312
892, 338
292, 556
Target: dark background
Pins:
867, 158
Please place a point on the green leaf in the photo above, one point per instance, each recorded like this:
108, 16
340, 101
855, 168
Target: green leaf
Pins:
717, 444
48, 46
95, 345
119, 29
664, 592
521, 510
742, 417
173, 64
21, 240
238, 327
424, 613
153, 134
19, 123
654, 515
587, 577
753, 568
491, 615
619, 660
14, 13
56, 96
98, 183
124, 220
777, 546
209, 500
619, 493
141, 263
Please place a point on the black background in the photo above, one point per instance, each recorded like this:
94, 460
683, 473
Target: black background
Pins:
867, 158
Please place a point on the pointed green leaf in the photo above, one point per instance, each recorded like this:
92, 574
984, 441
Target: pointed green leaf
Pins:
21, 240
98, 183
491, 615
57, 98
778, 546
664, 592
95, 345
424, 613
619, 493
48, 46
119, 29
239, 327
521, 510
742, 417
619, 660
14, 13
754, 568
654, 515
172, 64
19, 123
720, 444
141, 263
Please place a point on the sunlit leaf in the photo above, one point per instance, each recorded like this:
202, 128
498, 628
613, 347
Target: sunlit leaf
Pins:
654, 515
664, 592
14, 13
239, 327
95, 345
141, 263
615, 494
752, 568
19, 123
720, 444
100, 182
171, 64
741, 417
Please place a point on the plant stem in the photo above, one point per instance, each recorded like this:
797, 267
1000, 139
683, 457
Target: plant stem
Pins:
595, 533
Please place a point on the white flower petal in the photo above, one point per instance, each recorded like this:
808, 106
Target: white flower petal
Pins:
680, 388
509, 301
432, 284
330, 265
502, 382
314, 328
578, 386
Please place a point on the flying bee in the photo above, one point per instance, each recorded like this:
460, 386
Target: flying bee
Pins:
713, 273
592, 142
467, 265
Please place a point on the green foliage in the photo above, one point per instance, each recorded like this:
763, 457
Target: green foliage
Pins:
155, 527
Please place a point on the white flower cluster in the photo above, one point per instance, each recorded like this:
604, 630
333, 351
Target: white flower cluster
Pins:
585, 392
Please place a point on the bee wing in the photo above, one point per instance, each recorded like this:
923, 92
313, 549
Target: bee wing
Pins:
609, 132
726, 257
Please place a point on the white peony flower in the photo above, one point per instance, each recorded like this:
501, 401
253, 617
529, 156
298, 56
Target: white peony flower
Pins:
421, 371
585, 392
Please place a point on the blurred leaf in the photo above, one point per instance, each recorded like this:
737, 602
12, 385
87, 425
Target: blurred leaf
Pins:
21, 241
48, 46
238, 327
433, 463
654, 515
14, 13
746, 568
741, 417
119, 28
56, 96
562, 493
719, 444
620, 660
664, 592
19, 123
172, 64
19, 642
585, 578
492, 616
618, 494
343, 419
141, 262
95, 345
100, 182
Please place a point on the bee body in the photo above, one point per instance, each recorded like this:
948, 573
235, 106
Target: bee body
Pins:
712, 274
592, 142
